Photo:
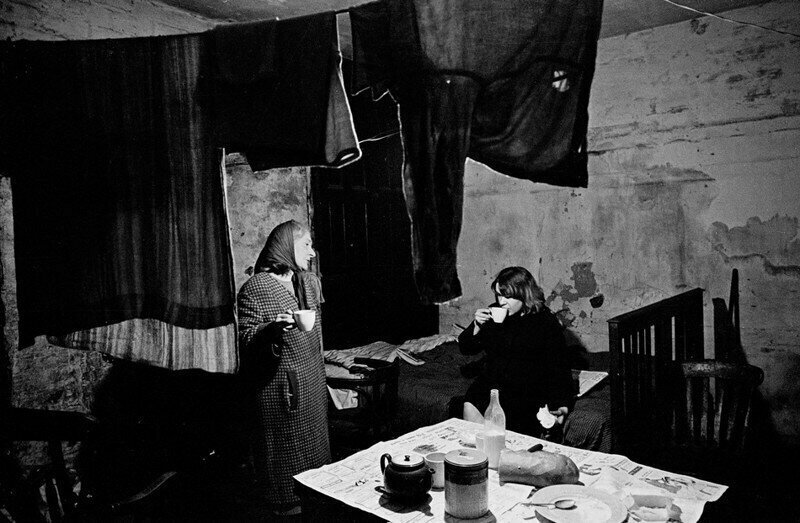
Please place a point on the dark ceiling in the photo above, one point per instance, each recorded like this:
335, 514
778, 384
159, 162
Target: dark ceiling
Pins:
619, 16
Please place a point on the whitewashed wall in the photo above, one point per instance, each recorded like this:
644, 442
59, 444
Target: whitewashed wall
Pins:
694, 141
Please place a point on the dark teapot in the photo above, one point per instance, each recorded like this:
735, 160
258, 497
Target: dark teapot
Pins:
405, 477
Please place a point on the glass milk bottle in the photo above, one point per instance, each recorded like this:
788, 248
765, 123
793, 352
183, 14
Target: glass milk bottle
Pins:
494, 429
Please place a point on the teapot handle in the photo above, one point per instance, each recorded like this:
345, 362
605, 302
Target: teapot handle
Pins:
384, 459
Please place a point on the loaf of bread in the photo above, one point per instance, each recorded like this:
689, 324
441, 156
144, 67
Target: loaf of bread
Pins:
540, 468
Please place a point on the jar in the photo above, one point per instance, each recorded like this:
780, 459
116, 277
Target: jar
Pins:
466, 483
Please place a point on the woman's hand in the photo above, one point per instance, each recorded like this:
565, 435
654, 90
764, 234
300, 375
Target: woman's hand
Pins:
482, 316
560, 414
284, 321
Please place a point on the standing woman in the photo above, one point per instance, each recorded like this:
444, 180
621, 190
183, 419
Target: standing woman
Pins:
525, 356
286, 364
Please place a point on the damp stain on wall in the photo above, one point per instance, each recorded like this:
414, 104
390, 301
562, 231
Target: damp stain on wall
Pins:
698, 27
775, 242
585, 286
566, 318
790, 107
567, 293
585, 282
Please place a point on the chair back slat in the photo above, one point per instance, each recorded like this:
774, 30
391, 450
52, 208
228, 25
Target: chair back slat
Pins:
716, 403
722, 414
707, 434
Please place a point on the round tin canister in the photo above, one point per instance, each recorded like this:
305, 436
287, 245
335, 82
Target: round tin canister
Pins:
466, 483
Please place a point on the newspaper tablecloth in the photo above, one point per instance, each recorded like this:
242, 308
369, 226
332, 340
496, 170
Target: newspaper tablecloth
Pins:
353, 480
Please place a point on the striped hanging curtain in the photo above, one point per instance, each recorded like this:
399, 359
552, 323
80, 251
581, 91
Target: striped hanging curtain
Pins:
121, 236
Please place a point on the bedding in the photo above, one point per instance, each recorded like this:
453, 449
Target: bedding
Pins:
425, 391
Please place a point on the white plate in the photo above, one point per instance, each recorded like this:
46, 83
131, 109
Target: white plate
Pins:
591, 505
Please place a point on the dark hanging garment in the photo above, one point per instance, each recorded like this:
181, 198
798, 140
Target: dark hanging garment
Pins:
276, 92
121, 236
505, 83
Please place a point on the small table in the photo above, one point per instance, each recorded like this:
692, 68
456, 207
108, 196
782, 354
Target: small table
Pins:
352, 481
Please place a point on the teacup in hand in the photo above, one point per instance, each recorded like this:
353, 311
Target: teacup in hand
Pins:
498, 314
305, 319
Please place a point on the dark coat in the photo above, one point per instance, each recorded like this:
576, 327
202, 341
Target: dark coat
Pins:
291, 396
526, 359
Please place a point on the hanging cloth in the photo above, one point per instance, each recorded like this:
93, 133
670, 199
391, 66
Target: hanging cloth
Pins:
120, 229
276, 92
505, 83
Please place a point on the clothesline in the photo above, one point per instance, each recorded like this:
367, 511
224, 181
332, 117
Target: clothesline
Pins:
730, 20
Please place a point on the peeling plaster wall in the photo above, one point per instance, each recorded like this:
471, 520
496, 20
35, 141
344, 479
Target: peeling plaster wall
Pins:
694, 141
55, 378
257, 202
91, 19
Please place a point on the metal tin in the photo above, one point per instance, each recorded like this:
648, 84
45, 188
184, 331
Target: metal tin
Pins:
466, 483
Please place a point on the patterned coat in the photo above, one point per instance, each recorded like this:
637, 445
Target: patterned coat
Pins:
291, 396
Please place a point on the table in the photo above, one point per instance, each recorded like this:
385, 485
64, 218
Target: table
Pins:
352, 481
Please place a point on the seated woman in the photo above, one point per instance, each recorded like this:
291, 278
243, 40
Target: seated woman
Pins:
525, 356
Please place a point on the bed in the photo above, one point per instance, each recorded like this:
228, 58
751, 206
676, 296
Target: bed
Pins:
432, 371
425, 393
611, 417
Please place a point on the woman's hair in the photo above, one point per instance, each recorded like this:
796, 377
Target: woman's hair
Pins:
277, 256
517, 282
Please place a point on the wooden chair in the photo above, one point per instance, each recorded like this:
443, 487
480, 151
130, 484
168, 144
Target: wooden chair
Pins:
17, 496
372, 418
643, 344
710, 422
53, 427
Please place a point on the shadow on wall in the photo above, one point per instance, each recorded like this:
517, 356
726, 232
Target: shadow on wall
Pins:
770, 458
580, 358
728, 347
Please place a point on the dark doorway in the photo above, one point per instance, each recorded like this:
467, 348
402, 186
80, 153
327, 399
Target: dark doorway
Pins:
363, 237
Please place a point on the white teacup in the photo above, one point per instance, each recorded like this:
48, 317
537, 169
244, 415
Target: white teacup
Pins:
498, 314
305, 319
435, 462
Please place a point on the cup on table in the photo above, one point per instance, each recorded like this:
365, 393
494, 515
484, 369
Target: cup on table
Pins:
435, 462
498, 314
305, 319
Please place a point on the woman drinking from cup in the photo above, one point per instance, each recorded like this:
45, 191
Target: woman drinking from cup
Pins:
525, 355
285, 363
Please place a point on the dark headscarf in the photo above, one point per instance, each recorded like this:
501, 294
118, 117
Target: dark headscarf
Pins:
277, 257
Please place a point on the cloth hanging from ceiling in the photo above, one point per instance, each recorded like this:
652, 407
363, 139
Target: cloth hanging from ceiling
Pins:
504, 83
120, 229
277, 94
157, 343
121, 234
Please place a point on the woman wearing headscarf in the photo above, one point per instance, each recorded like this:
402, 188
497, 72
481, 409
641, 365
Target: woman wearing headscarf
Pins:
285, 364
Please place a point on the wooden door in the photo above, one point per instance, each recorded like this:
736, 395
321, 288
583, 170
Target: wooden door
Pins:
363, 238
